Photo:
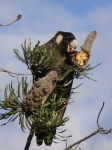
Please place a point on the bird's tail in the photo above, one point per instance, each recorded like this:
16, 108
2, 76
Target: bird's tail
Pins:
47, 137
39, 137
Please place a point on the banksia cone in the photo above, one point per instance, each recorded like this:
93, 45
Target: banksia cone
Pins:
39, 92
82, 57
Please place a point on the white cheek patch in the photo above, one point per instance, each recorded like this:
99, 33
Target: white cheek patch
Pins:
73, 44
59, 39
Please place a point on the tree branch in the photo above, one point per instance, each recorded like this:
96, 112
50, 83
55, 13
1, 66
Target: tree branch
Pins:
28, 142
99, 115
17, 19
85, 138
99, 130
11, 73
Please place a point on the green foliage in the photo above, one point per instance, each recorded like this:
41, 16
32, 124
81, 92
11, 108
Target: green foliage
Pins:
13, 102
38, 56
83, 72
46, 117
42, 60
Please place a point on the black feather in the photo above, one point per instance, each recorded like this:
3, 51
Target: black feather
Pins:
62, 59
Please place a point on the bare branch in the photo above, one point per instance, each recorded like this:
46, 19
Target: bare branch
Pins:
17, 19
78, 142
13, 74
99, 115
100, 130
29, 139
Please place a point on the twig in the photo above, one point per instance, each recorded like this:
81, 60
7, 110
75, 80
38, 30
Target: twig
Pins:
99, 116
95, 132
29, 140
10, 73
76, 146
17, 19
99, 130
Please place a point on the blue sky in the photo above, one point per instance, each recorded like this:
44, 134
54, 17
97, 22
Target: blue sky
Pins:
41, 19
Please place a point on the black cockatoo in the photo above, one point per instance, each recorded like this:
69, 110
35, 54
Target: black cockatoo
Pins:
64, 44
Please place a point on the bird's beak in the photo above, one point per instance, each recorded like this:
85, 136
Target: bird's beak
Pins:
72, 46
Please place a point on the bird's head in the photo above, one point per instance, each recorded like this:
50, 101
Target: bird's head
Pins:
66, 41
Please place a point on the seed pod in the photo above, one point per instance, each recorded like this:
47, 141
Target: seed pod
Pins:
45, 90
39, 92
89, 42
82, 57
37, 84
37, 99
